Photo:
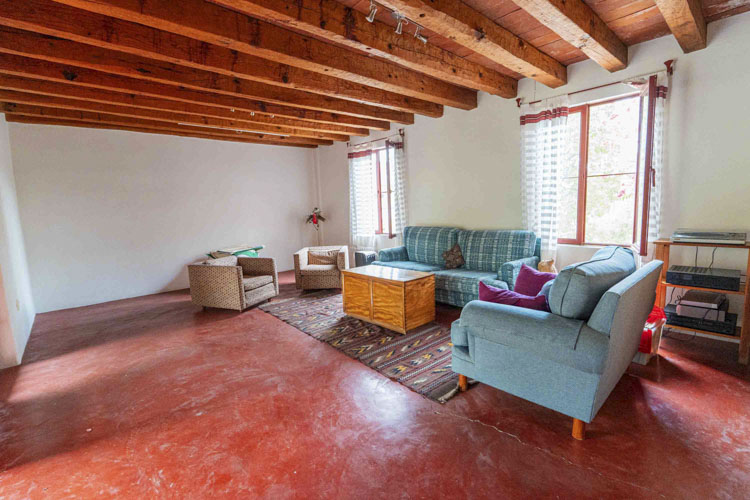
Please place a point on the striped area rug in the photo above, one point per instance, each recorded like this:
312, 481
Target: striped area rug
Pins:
420, 360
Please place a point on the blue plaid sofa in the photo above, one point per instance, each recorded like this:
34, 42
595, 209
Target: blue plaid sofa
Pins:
493, 257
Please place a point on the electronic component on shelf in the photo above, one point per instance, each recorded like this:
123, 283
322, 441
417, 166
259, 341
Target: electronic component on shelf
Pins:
721, 279
705, 305
719, 237
726, 327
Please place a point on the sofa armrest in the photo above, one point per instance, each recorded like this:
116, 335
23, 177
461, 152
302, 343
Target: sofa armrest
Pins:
342, 259
509, 271
393, 254
216, 286
563, 340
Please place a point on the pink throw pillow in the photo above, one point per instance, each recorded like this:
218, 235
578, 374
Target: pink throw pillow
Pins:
489, 293
530, 281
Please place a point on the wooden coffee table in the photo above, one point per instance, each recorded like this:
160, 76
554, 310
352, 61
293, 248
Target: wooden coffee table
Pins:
397, 299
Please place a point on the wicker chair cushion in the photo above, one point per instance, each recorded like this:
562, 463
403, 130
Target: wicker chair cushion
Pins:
319, 269
322, 257
253, 282
223, 261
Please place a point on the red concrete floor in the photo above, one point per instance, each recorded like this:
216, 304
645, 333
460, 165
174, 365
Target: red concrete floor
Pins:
152, 397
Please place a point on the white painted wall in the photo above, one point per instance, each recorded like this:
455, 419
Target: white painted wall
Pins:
16, 304
464, 168
110, 214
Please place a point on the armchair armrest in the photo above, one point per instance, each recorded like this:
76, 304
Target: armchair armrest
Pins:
216, 286
342, 259
393, 254
260, 266
300, 258
563, 340
509, 271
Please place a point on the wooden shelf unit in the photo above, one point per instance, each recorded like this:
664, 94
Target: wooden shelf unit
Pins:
662, 248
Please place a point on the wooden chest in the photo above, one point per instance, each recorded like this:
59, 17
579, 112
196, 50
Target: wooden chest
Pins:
397, 299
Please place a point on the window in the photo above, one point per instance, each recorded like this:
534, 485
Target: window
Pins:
598, 201
383, 161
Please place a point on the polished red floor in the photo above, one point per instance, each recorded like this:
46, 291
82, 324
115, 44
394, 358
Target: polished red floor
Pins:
154, 398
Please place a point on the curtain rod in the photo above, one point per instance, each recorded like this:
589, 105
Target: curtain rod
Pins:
668, 64
400, 132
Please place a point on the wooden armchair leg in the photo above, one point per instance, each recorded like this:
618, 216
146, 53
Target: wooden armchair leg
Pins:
463, 382
579, 429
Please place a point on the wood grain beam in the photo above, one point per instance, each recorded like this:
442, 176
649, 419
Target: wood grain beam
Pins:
33, 120
41, 87
331, 20
220, 26
685, 20
54, 19
24, 43
73, 115
147, 114
45, 70
576, 23
460, 23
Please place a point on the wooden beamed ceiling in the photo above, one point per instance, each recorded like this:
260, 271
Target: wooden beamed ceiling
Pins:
306, 72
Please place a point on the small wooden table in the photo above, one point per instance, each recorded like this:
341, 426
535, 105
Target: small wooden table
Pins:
397, 299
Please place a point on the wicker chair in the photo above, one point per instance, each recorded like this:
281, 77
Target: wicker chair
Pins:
232, 282
320, 267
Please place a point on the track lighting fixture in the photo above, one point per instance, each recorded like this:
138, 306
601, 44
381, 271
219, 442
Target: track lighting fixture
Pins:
373, 10
401, 21
419, 37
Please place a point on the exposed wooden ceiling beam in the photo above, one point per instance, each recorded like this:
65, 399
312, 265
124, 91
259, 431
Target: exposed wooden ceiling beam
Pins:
45, 70
54, 19
331, 20
65, 114
577, 24
41, 87
33, 120
685, 20
24, 43
214, 24
460, 23
147, 114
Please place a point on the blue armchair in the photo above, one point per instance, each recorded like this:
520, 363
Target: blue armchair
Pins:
571, 358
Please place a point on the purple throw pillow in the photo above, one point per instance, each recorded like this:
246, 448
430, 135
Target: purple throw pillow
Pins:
530, 281
489, 293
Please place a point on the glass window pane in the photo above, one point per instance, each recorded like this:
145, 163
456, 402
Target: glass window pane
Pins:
572, 146
567, 208
613, 137
384, 211
610, 205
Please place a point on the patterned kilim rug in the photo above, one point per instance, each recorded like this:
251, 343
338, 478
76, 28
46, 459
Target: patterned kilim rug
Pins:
420, 360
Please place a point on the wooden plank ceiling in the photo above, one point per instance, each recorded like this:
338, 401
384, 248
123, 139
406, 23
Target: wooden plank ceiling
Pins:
306, 73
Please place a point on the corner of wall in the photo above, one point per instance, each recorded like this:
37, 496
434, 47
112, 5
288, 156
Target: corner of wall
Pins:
17, 309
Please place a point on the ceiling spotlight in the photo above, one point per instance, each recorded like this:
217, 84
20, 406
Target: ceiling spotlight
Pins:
419, 37
373, 9
401, 21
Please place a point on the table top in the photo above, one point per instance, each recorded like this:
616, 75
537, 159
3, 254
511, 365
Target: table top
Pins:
387, 273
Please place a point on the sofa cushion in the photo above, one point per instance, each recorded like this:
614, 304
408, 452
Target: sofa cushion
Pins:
464, 280
253, 282
488, 250
530, 281
427, 244
453, 257
407, 264
322, 256
231, 260
489, 293
318, 269
578, 287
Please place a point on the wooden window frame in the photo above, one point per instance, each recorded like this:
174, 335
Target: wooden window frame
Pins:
583, 160
388, 191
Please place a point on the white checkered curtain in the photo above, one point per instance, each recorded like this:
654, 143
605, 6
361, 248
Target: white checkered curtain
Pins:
543, 135
397, 160
363, 212
657, 158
